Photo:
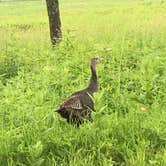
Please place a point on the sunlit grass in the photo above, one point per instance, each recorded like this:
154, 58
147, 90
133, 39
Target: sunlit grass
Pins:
129, 125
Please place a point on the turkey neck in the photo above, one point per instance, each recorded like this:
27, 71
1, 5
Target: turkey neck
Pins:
93, 85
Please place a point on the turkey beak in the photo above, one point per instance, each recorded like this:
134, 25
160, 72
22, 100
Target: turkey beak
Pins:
97, 60
101, 59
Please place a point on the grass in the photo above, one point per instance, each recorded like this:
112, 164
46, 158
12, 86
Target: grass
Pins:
129, 125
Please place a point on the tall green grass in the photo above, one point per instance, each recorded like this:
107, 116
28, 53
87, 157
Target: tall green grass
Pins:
129, 125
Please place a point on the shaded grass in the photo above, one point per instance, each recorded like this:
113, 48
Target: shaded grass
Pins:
129, 125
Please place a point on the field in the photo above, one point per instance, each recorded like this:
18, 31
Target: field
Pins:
129, 127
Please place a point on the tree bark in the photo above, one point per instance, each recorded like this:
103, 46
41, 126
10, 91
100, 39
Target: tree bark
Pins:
54, 21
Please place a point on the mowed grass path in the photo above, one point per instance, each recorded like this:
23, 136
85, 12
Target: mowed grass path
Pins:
129, 126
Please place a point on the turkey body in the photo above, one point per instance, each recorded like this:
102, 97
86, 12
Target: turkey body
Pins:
78, 107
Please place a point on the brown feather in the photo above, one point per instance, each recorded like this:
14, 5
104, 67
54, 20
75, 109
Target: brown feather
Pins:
72, 102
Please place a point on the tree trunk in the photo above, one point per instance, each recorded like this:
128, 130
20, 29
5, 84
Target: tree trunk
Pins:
54, 21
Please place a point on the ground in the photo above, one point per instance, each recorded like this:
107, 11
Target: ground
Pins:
129, 124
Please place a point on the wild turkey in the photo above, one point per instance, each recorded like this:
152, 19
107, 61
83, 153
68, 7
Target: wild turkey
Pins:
78, 107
